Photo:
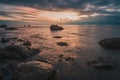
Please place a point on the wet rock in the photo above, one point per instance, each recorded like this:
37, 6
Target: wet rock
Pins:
110, 43
56, 27
11, 28
34, 70
102, 63
3, 40
69, 58
8, 71
62, 44
60, 56
27, 43
57, 37
15, 53
21, 40
3, 26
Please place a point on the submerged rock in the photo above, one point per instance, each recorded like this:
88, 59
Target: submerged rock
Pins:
3, 40
56, 27
34, 70
11, 28
57, 37
62, 44
102, 63
110, 43
27, 43
3, 26
15, 53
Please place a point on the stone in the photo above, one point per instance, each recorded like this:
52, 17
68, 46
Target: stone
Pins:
4, 40
34, 70
62, 44
11, 28
56, 27
57, 37
27, 43
15, 52
110, 43
3, 26
102, 63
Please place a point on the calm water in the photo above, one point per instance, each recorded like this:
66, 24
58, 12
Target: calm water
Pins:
83, 46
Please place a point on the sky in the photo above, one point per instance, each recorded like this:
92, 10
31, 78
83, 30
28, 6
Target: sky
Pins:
45, 12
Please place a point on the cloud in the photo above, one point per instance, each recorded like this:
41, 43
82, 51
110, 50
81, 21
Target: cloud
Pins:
89, 11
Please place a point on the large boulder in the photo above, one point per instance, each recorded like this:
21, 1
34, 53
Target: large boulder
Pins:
34, 70
56, 27
110, 43
15, 52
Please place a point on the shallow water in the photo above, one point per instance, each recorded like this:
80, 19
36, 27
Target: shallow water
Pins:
83, 46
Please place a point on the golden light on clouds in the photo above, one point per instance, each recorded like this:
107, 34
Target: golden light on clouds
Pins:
28, 14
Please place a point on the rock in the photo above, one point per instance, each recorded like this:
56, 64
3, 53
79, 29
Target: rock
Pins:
110, 43
27, 43
34, 70
15, 53
60, 56
62, 44
69, 58
21, 40
102, 63
3, 40
56, 27
3, 26
57, 37
11, 28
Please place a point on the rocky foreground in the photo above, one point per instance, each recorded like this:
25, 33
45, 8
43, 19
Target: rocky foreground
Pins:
16, 63
18, 60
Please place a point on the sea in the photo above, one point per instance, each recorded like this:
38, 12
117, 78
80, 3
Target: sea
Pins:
83, 46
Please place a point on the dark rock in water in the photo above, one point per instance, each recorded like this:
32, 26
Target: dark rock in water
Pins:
60, 56
3, 26
3, 40
110, 43
8, 70
21, 40
56, 27
57, 37
62, 44
34, 70
102, 63
69, 58
15, 52
11, 28
27, 43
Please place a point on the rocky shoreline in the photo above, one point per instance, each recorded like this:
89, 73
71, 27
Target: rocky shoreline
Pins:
18, 59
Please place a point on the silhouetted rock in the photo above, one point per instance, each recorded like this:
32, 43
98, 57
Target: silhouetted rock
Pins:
15, 53
3, 40
56, 27
69, 58
62, 44
34, 70
57, 37
110, 43
11, 28
28, 25
3, 26
102, 63
27, 43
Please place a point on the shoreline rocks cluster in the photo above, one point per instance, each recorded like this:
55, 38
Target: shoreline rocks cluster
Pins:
16, 62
